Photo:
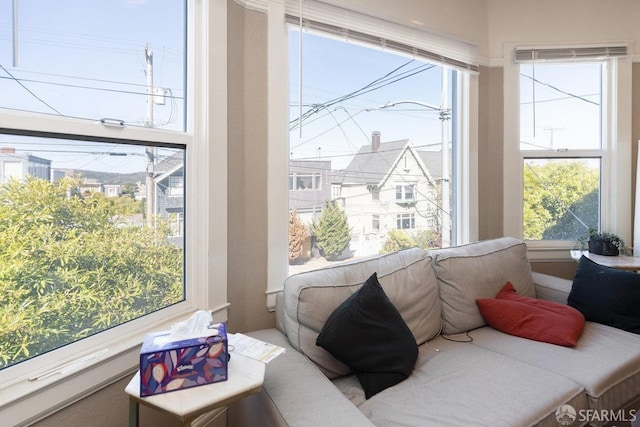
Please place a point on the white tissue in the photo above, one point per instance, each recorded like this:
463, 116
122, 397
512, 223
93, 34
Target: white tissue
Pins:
195, 326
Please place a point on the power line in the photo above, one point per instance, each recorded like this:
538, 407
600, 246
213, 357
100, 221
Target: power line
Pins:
581, 98
376, 84
19, 80
28, 90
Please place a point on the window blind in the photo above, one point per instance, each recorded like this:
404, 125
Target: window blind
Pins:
569, 53
358, 27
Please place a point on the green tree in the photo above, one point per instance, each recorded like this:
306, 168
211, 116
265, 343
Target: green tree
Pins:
568, 227
66, 271
129, 189
550, 191
332, 231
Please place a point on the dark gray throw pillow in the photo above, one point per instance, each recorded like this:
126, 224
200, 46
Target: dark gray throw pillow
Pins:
606, 295
367, 333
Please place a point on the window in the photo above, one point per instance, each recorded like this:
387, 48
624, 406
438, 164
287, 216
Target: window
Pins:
177, 224
569, 144
356, 118
305, 181
561, 115
106, 91
404, 193
334, 40
71, 285
406, 221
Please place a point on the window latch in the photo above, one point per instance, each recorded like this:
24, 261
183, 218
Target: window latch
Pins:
112, 122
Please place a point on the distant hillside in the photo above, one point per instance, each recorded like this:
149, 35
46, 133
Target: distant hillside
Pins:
107, 177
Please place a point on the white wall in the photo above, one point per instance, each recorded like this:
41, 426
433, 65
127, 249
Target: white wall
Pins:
561, 21
464, 20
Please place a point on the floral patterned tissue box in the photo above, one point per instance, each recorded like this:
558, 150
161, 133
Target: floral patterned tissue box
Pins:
175, 365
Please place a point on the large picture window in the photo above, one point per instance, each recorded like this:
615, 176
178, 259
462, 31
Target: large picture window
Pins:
379, 126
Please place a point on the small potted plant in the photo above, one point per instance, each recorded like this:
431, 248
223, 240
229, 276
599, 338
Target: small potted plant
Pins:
605, 243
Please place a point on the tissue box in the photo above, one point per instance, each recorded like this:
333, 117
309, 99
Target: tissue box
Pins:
168, 366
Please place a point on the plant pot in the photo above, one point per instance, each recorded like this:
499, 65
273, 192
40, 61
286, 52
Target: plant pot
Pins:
603, 247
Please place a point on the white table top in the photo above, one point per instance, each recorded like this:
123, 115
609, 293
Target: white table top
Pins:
245, 377
619, 262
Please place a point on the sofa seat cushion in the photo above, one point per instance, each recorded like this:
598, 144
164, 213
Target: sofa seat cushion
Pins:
478, 270
367, 333
459, 384
532, 318
309, 298
605, 361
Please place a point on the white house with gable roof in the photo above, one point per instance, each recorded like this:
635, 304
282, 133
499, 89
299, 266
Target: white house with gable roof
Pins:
387, 186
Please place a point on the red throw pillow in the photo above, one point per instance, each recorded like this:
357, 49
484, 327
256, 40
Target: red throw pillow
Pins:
532, 318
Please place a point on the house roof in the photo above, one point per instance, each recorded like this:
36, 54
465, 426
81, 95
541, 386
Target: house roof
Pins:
369, 167
168, 166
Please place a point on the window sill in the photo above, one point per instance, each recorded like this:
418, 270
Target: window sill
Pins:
539, 251
31, 399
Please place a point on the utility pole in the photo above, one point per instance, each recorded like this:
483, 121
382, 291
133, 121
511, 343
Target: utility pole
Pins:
149, 150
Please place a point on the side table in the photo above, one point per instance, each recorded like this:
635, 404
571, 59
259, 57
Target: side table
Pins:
619, 262
245, 377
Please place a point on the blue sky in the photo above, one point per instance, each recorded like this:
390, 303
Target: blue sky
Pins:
86, 59
333, 68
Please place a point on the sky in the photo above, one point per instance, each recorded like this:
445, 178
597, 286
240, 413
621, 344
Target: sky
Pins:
331, 69
86, 59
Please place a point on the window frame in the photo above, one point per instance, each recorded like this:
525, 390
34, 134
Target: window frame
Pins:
615, 154
402, 217
465, 193
67, 374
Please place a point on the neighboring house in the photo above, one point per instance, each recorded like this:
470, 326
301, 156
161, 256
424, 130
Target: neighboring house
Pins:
387, 186
91, 185
309, 187
19, 166
309, 191
168, 179
112, 190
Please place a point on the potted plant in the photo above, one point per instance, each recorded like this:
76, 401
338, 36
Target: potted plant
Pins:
605, 243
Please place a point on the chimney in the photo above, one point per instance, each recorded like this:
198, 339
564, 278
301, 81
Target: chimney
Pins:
375, 140
7, 150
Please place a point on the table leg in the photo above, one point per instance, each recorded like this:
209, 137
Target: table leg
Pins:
134, 413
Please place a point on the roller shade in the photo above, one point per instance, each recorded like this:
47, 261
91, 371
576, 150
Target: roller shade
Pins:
358, 27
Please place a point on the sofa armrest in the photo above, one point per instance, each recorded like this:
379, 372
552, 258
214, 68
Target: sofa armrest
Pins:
551, 288
295, 393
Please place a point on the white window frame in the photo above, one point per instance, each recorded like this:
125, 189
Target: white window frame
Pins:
466, 190
401, 217
616, 157
404, 189
70, 373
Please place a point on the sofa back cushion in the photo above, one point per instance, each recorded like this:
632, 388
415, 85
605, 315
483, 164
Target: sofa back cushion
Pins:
309, 298
478, 270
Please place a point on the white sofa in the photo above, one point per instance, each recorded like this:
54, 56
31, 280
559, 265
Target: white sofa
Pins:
467, 373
